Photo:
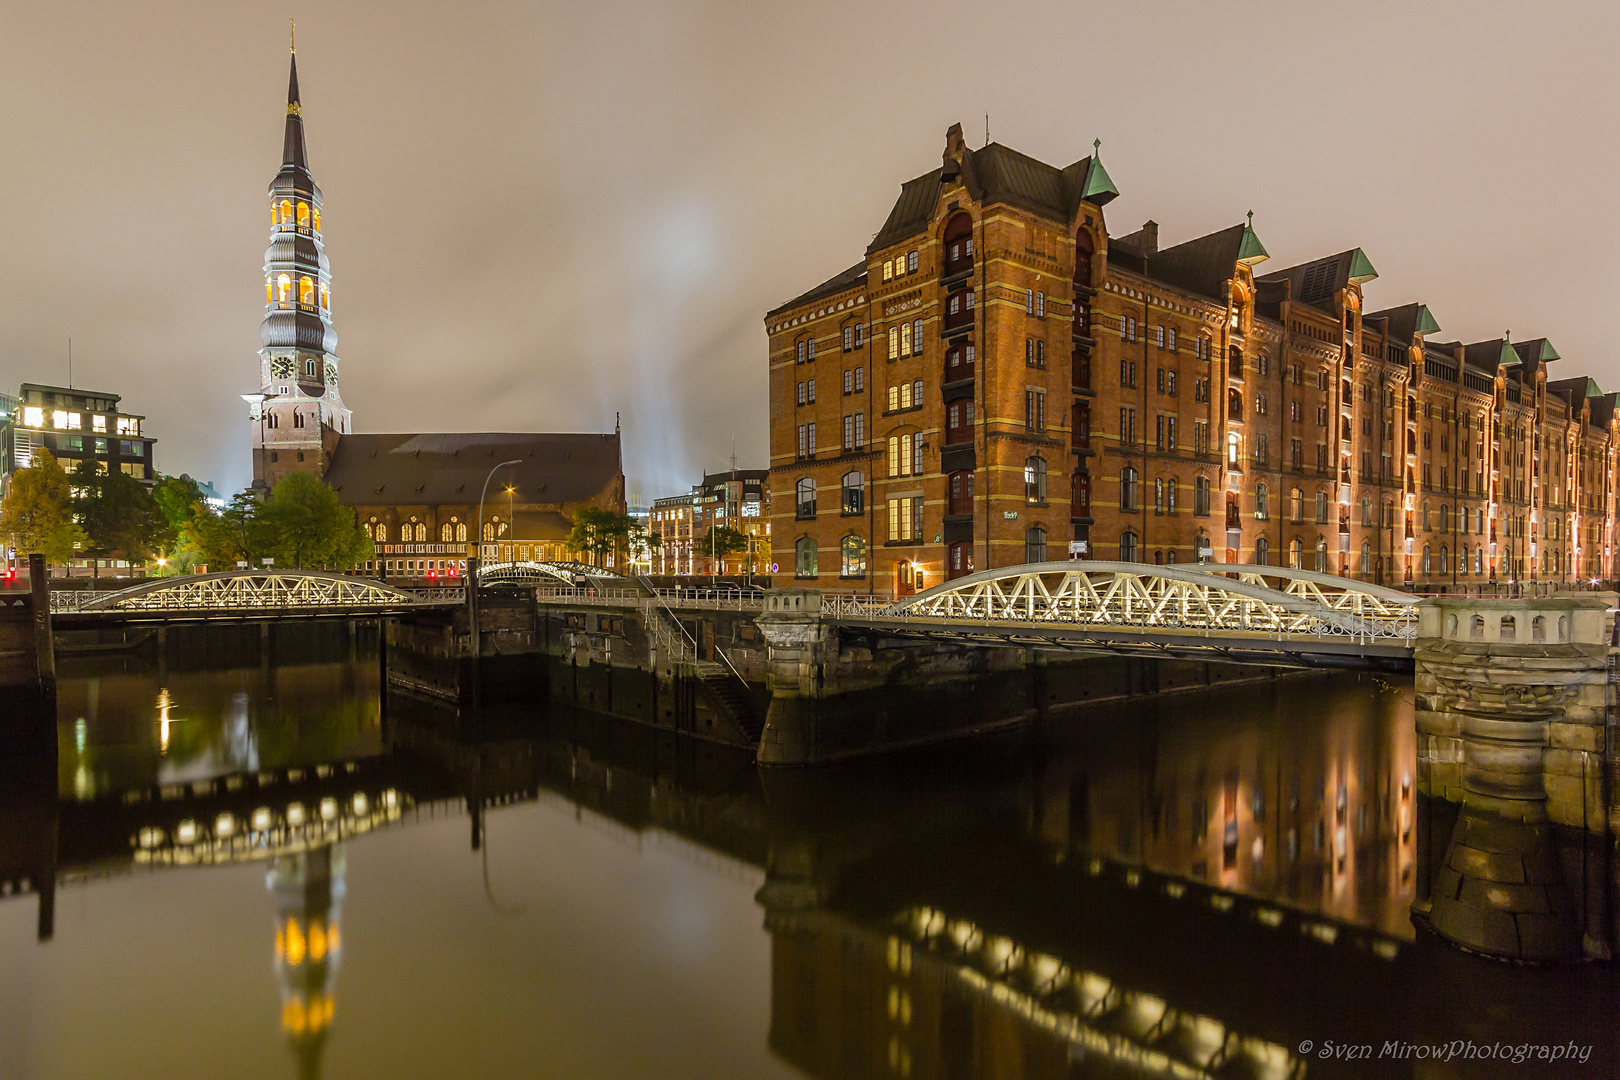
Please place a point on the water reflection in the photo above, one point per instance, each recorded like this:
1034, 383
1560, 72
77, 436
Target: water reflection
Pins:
1180, 890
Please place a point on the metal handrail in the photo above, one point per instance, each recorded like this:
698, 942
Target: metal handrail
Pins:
647, 584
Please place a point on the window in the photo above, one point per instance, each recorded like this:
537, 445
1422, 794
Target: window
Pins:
1261, 500
849, 338
905, 339
1040, 305
801, 353
854, 493
1035, 479
805, 498
1080, 495
445, 533
1035, 545
1170, 382
905, 454
906, 519
888, 269
804, 557
1296, 505
1034, 409
382, 533
852, 557
1029, 301
1262, 552
916, 337
810, 397
911, 262
1296, 554
1127, 490
1201, 496
1127, 426
799, 398
1127, 546
1158, 496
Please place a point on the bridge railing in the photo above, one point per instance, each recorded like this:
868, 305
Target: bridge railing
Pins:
852, 605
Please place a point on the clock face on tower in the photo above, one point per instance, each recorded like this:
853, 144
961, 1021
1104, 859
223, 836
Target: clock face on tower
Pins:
282, 367
331, 372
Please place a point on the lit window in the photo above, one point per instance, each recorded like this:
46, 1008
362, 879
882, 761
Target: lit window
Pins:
33, 416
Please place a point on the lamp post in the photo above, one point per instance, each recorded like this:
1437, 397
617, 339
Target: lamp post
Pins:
479, 536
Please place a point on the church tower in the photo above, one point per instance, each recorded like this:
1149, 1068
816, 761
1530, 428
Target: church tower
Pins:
298, 413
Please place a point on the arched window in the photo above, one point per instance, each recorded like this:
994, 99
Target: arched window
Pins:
303, 214
1296, 504
371, 528
1035, 479
489, 530
1262, 552
1080, 494
1366, 558
1296, 554
1427, 564
286, 212
1321, 566
1127, 491
854, 494
421, 532
269, 289
1035, 545
852, 557
1201, 496
461, 532
1261, 501
283, 288
316, 214
1445, 517
1234, 450
306, 290
445, 533
1445, 556
1426, 515
804, 557
326, 297
1366, 509
1158, 495
1234, 404
1127, 546
805, 497
382, 532
958, 240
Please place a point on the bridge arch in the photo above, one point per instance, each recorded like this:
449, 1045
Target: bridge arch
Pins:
546, 572
1208, 598
243, 589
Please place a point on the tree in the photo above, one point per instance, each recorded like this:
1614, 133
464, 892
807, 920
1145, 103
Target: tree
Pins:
306, 525
118, 514
720, 541
598, 532
179, 498
37, 515
235, 534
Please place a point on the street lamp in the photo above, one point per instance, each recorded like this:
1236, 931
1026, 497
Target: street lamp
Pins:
484, 491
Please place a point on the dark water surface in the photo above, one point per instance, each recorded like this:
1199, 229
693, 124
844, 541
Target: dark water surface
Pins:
263, 872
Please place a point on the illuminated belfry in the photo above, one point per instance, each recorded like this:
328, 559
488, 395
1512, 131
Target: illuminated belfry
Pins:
308, 887
298, 413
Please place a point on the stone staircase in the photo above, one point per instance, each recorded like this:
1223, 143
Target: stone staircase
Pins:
730, 697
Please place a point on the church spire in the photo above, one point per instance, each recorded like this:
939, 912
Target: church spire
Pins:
292, 145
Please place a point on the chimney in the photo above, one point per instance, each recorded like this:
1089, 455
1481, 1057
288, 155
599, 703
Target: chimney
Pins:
954, 143
1150, 238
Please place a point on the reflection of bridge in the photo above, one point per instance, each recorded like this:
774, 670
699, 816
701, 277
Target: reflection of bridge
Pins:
1206, 611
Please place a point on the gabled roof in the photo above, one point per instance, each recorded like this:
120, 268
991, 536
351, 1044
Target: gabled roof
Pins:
1405, 323
1490, 355
1317, 281
1575, 390
1536, 350
1603, 408
1202, 265
451, 468
846, 279
997, 174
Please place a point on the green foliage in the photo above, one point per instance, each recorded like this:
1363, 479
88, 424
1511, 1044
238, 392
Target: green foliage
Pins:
597, 533
118, 514
235, 534
306, 526
179, 498
37, 515
720, 542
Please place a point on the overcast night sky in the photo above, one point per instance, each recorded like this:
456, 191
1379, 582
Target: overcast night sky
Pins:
541, 214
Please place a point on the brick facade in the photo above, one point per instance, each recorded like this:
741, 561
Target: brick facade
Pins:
1001, 380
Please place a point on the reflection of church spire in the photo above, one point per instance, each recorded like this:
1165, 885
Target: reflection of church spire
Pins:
308, 887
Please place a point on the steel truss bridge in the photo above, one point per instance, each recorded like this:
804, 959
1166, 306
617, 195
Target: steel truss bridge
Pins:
1206, 611
249, 594
549, 573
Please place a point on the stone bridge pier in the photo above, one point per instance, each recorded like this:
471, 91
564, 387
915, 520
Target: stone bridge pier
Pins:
1514, 708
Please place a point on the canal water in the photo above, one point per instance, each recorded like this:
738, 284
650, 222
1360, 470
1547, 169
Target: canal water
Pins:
251, 863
